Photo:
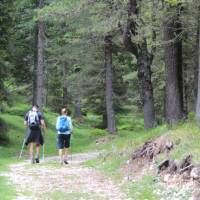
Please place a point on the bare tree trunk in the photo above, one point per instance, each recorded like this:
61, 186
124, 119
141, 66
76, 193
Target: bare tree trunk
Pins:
144, 61
196, 69
109, 87
78, 112
185, 89
39, 61
198, 87
65, 86
145, 86
173, 65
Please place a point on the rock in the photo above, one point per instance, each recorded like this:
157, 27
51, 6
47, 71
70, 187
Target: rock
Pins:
167, 178
128, 162
195, 173
196, 196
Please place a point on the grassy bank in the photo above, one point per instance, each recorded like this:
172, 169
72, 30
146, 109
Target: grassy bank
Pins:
118, 152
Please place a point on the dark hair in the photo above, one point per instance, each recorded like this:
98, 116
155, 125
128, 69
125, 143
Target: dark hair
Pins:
35, 105
63, 111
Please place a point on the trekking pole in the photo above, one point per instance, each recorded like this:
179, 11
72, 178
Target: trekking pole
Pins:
43, 147
71, 147
20, 155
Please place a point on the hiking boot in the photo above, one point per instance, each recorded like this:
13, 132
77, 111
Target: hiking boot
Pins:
37, 160
65, 161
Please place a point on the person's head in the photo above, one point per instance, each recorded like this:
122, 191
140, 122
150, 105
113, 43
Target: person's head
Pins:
35, 108
63, 111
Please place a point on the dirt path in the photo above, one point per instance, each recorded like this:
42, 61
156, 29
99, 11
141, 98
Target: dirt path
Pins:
49, 180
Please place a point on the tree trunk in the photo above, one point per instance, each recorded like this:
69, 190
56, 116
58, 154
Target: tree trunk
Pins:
39, 61
78, 112
109, 87
196, 67
65, 86
198, 86
145, 85
173, 67
144, 61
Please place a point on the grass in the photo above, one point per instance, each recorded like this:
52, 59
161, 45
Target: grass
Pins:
115, 149
143, 189
7, 190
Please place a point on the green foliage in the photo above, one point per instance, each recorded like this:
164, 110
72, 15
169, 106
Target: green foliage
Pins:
18, 109
175, 2
144, 189
98, 133
7, 191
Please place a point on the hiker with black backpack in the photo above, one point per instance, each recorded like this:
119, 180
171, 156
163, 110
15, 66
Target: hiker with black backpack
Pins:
34, 121
64, 130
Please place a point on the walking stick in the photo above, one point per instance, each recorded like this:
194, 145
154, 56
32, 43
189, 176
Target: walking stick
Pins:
20, 155
71, 147
43, 147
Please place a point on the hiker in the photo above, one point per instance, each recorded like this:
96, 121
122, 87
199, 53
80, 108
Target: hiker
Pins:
64, 130
34, 121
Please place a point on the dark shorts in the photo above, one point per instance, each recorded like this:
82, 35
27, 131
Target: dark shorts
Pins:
63, 141
34, 136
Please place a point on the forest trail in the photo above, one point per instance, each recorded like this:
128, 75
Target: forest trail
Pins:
50, 180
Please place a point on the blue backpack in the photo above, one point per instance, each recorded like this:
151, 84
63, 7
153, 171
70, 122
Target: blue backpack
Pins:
63, 124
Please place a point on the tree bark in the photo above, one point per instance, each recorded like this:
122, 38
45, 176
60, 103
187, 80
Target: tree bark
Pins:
198, 86
111, 126
78, 112
65, 86
145, 85
38, 84
196, 67
173, 67
144, 61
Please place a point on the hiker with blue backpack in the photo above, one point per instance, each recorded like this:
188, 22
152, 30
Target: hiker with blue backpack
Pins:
34, 121
64, 130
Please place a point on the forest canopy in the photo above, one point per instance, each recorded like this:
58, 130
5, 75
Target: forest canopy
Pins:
107, 57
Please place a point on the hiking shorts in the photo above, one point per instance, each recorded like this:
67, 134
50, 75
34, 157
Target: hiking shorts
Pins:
63, 141
34, 136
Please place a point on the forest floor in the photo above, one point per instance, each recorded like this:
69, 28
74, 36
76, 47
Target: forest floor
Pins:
50, 180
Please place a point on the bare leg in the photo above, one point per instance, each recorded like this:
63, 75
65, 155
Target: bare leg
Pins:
31, 152
37, 151
66, 153
61, 155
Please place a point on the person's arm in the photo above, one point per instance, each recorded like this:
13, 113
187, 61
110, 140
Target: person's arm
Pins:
70, 124
42, 122
57, 123
26, 120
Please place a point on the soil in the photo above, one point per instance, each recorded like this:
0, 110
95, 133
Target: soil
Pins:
50, 180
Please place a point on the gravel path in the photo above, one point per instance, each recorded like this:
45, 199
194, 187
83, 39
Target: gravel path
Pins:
49, 180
